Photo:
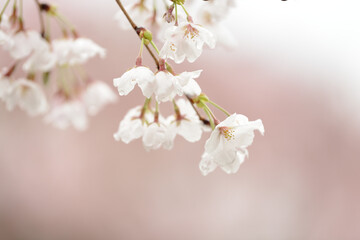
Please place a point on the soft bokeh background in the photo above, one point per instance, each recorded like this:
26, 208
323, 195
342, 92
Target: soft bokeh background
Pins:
296, 68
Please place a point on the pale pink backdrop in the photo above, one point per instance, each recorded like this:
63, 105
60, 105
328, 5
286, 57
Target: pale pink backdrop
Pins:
300, 182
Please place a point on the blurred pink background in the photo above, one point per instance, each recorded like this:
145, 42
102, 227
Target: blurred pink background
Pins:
295, 68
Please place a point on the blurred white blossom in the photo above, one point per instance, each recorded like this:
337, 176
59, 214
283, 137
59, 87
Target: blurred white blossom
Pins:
26, 94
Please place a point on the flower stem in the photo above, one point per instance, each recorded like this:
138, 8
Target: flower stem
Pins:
67, 23
139, 58
156, 114
42, 24
208, 113
219, 107
154, 46
176, 15
205, 121
4, 8
186, 12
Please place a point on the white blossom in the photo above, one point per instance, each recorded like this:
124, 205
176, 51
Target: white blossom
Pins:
158, 135
186, 41
167, 86
68, 113
154, 134
28, 95
76, 51
188, 124
96, 95
42, 59
22, 44
227, 144
131, 127
192, 89
142, 76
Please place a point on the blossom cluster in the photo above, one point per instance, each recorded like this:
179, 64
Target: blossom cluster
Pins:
53, 82
74, 95
183, 39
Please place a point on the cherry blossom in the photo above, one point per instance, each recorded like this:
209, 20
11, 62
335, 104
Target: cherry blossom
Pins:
187, 124
227, 144
142, 76
131, 127
158, 135
28, 95
42, 59
76, 51
137, 124
167, 86
186, 41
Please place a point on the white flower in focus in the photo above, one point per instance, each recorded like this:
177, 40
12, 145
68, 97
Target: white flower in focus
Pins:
158, 135
142, 76
188, 124
137, 124
76, 51
28, 95
192, 89
42, 59
167, 86
131, 127
186, 41
227, 144
96, 96
68, 113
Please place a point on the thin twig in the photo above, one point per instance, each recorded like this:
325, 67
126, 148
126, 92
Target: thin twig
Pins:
42, 24
137, 30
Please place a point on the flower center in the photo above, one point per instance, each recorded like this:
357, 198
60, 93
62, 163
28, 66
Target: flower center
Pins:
191, 32
228, 133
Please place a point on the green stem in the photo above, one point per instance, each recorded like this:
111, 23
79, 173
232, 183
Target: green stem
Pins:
219, 107
4, 8
176, 15
66, 22
141, 47
186, 12
208, 113
154, 46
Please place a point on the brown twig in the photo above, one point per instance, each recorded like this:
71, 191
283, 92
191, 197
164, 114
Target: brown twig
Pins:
137, 30
41, 18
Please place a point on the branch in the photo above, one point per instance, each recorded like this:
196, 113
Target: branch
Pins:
137, 30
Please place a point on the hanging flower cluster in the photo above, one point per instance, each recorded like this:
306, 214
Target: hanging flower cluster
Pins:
183, 38
53, 81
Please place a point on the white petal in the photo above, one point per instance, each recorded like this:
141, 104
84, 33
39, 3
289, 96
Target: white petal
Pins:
164, 88
28, 95
207, 165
